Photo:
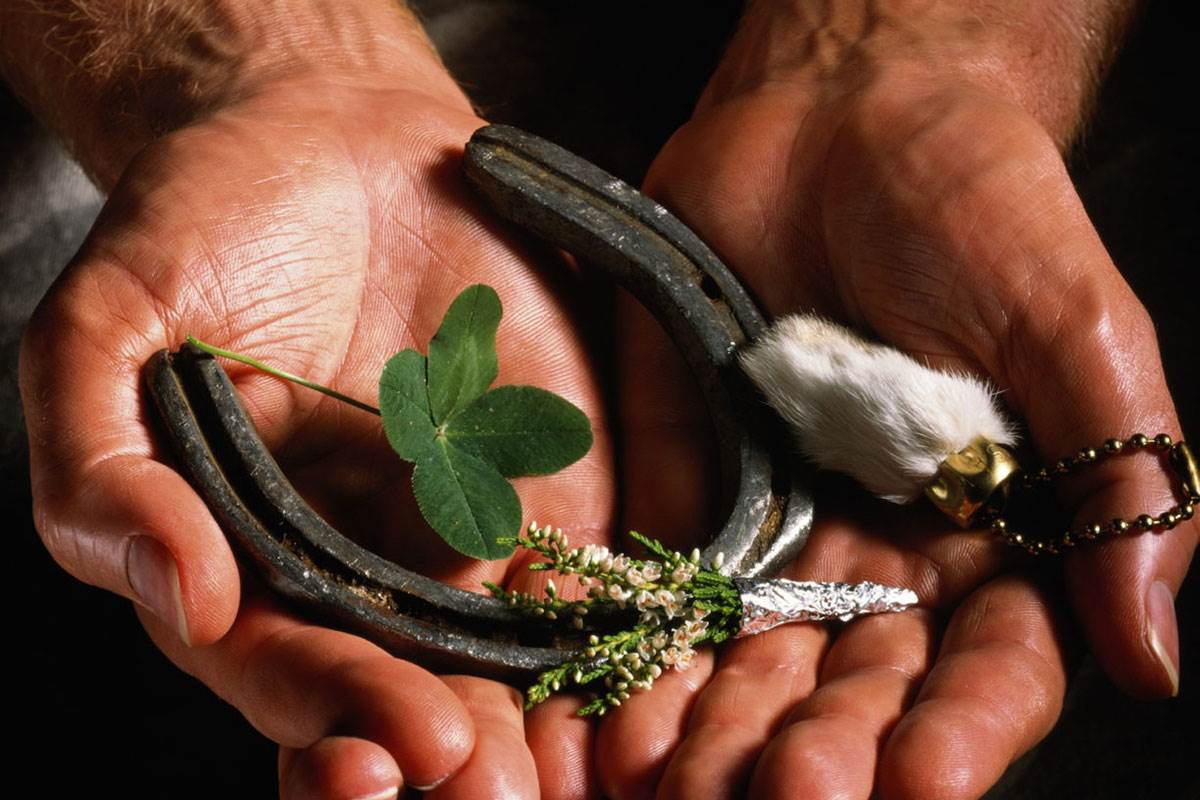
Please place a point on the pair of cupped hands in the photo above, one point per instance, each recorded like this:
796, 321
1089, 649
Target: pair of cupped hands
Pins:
323, 224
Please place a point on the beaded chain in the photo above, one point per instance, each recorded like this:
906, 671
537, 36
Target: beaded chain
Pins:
1177, 458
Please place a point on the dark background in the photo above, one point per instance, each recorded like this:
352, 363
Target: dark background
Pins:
94, 708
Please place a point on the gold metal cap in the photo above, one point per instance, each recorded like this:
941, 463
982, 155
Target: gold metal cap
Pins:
1184, 463
968, 479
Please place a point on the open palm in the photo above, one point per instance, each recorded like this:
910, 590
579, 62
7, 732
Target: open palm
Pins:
322, 229
942, 219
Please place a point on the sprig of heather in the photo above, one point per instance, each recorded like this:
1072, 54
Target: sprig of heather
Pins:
679, 603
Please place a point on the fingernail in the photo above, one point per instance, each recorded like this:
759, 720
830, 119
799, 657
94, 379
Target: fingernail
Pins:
154, 578
1164, 632
429, 787
382, 794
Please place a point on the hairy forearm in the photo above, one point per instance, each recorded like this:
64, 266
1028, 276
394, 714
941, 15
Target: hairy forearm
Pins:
110, 76
1045, 55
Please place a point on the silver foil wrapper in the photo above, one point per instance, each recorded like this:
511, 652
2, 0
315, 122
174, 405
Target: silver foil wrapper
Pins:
768, 603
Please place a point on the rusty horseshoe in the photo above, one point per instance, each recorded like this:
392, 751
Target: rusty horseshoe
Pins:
607, 224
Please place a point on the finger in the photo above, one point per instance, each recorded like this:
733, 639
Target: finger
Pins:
829, 743
563, 743
996, 689
635, 742
299, 683
338, 768
501, 764
107, 511
757, 682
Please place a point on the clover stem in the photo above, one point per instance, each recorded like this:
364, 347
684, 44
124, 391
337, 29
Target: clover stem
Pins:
278, 373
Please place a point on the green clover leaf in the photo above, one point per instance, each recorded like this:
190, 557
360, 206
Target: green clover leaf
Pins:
404, 405
522, 430
462, 354
465, 440
466, 501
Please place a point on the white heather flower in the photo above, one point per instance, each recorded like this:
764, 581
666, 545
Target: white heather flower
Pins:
650, 618
670, 656
633, 577
651, 570
683, 573
644, 601
695, 630
596, 553
685, 658
679, 638
659, 640
619, 594
620, 564
672, 603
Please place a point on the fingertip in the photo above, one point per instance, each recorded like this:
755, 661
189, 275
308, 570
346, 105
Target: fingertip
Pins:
431, 733
936, 752
135, 527
154, 578
718, 757
1127, 608
1163, 633
563, 742
195, 561
338, 768
635, 743
820, 757
500, 764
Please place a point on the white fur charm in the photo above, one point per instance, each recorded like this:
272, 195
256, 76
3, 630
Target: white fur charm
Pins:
867, 410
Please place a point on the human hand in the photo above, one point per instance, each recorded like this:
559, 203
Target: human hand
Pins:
900, 174
318, 221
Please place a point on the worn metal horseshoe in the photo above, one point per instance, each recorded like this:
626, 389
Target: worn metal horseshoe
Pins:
574, 205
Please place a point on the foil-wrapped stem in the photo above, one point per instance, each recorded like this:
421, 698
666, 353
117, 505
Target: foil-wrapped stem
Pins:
768, 603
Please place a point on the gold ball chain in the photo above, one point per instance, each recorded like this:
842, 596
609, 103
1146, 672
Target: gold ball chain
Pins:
1179, 460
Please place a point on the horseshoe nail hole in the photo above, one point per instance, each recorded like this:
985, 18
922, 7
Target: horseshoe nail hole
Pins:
709, 287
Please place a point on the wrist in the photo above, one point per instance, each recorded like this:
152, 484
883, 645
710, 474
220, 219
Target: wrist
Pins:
1042, 57
109, 82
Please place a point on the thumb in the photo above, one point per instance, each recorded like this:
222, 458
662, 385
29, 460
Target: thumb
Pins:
107, 509
1081, 357
1092, 375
